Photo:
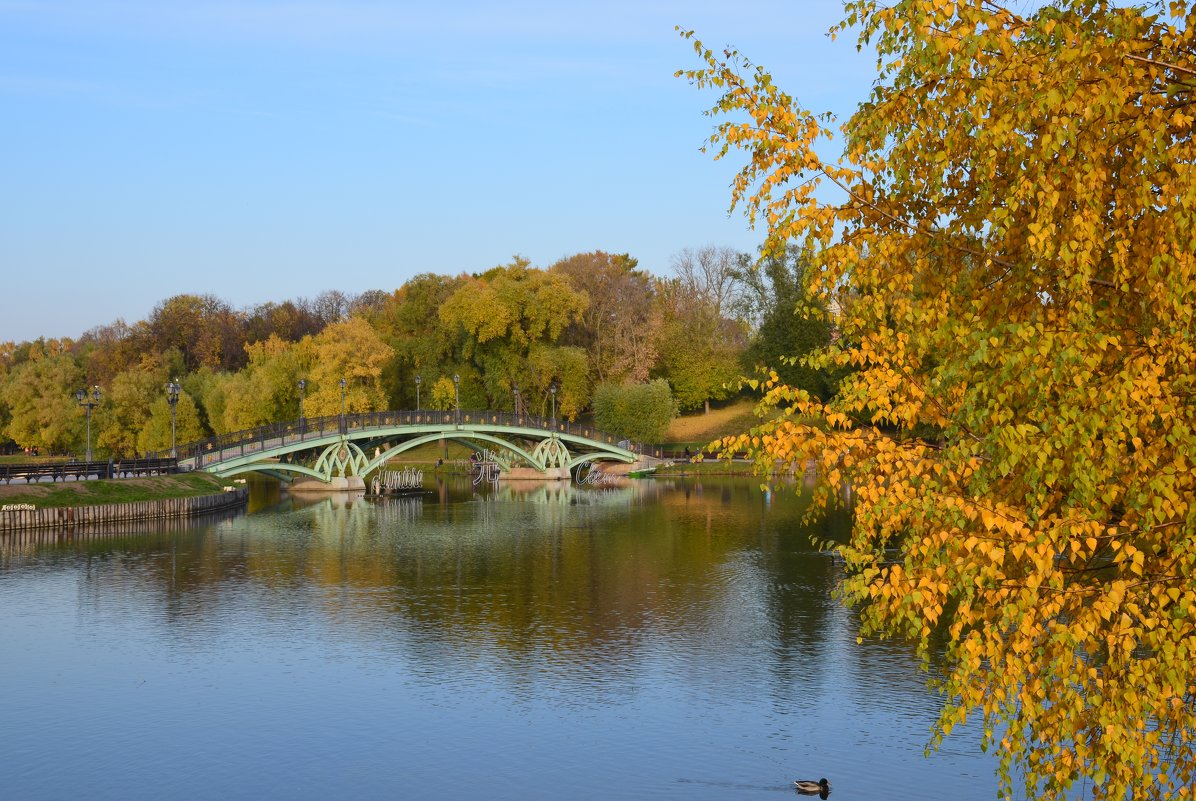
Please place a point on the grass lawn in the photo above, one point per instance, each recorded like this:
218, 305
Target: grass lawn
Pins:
116, 490
695, 431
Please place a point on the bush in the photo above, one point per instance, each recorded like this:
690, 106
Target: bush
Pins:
640, 412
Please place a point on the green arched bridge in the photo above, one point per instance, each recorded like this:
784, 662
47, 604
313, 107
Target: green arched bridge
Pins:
345, 449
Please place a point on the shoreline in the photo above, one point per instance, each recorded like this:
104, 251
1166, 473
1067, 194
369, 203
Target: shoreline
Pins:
20, 517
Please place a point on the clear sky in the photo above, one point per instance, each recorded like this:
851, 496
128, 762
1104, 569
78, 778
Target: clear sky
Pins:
271, 149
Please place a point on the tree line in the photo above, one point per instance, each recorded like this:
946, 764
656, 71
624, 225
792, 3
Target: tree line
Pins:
593, 325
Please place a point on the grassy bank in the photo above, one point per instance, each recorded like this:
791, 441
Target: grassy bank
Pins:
118, 490
709, 467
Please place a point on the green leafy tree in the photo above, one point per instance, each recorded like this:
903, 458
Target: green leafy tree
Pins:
266, 390
1013, 246
424, 345
565, 368
442, 394
792, 326
39, 394
700, 349
640, 412
129, 397
506, 316
156, 434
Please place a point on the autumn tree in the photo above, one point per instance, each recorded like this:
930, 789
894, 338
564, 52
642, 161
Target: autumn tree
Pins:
508, 315
349, 350
39, 394
618, 327
1011, 245
205, 329
712, 274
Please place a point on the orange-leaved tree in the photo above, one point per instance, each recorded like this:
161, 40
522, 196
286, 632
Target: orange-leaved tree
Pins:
1012, 253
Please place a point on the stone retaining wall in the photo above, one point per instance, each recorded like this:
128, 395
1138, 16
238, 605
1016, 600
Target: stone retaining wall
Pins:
18, 517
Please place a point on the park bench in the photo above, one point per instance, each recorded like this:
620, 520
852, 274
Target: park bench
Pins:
144, 467
54, 471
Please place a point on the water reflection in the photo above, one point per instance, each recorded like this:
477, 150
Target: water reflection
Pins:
665, 638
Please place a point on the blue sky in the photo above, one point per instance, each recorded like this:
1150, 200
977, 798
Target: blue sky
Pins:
270, 149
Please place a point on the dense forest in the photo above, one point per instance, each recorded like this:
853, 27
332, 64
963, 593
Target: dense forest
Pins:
593, 325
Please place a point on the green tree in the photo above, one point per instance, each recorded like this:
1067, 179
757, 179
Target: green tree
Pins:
506, 317
156, 434
641, 412
442, 394
700, 349
39, 394
792, 326
129, 397
1014, 238
266, 390
424, 344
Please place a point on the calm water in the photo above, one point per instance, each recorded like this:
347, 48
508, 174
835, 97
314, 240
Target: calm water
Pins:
666, 640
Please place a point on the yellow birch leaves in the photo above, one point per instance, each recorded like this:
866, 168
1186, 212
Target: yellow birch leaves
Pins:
1011, 252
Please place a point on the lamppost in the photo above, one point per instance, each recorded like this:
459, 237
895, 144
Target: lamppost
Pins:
302, 392
552, 389
88, 402
457, 390
172, 396
515, 389
343, 426
418, 380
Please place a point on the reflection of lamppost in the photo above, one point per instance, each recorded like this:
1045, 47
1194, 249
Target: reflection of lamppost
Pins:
418, 380
88, 402
172, 396
552, 389
457, 390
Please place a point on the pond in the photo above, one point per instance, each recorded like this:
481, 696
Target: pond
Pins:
662, 639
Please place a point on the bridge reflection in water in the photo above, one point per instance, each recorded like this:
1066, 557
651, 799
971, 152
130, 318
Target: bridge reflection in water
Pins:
336, 449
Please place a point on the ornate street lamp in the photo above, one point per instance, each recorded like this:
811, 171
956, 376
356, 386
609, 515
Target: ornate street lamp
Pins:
88, 402
172, 396
515, 389
457, 390
418, 380
552, 389
342, 383
302, 392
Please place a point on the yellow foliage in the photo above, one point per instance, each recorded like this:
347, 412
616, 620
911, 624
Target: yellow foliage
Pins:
1013, 256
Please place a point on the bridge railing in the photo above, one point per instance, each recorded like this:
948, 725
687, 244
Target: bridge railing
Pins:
273, 435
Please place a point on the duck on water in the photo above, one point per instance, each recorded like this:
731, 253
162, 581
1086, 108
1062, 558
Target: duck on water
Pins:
821, 788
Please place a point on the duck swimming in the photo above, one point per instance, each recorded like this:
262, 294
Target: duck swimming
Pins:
820, 787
